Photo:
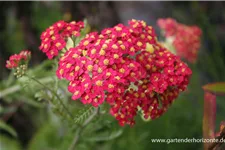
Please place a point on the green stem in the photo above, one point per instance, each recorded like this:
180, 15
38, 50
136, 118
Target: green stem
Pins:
16, 88
80, 129
53, 92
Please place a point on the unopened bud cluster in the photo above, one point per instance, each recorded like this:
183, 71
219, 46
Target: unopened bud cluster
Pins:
20, 71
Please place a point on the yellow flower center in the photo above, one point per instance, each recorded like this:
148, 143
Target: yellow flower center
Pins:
93, 51
86, 97
116, 56
110, 86
76, 93
102, 52
104, 46
123, 34
131, 65
121, 70
106, 62
114, 46
147, 66
68, 65
84, 52
51, 32
58, 44
90, 68
142, 36
99, 70
86, 85
53, 38
77, 68
99, 83
132, 49
139, 43
122, 47
118, 28
61, 71
108, 74
75, 55
149, 37
86, 43
45, 46
117, 77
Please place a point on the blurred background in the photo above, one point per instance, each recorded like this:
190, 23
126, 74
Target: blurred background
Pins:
23, 22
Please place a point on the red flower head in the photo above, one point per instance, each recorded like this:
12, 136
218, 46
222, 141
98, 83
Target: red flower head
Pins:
17, 59
168, 25
19, 62
186, 39
126, 67
54, 38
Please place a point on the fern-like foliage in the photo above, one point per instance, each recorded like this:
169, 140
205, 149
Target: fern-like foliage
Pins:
56, 107
104, 136
25, 83
83, 114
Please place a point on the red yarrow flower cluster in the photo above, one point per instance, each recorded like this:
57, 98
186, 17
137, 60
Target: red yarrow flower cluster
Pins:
54, 38
126, 67
16, 59
186, 38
